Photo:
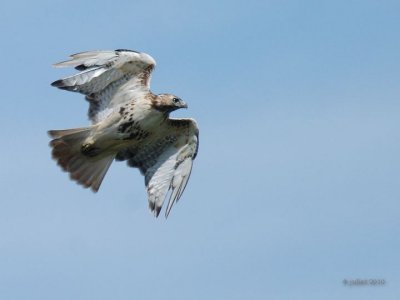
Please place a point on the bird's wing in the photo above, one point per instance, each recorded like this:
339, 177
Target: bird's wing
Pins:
166, 162
107, 78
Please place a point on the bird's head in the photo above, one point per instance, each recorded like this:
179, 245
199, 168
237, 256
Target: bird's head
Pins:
167, 103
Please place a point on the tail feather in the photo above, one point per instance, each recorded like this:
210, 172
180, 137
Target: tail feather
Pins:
69, 132
85, 170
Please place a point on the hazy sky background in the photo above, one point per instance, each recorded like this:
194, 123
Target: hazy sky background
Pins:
296, 185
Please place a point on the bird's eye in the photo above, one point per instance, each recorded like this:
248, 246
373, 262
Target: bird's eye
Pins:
175, 100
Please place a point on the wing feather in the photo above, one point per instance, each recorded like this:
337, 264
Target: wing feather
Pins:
179, 182
166, 163
88, 59
159, 177
107, 78
172, 173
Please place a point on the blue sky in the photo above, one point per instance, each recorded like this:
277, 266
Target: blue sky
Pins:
296, 186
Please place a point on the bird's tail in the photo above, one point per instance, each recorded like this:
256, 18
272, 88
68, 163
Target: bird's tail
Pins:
83, 164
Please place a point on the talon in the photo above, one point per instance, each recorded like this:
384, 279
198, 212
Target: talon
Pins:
89, 150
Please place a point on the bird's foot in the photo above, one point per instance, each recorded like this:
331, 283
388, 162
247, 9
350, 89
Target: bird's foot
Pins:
89, 149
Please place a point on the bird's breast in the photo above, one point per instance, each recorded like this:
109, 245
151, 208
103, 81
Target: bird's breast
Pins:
137, 123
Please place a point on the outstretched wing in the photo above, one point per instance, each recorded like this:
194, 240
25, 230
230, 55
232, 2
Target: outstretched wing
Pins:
107, 78
166, 162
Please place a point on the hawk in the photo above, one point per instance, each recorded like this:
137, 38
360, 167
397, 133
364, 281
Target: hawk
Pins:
129, 123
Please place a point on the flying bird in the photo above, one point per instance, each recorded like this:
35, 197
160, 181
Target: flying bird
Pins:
129, 123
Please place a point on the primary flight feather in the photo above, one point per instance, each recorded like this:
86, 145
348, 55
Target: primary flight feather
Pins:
129, 123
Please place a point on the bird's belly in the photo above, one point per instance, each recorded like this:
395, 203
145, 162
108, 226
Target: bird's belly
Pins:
119, 132
132, 130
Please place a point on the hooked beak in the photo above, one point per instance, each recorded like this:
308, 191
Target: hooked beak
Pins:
184, 105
